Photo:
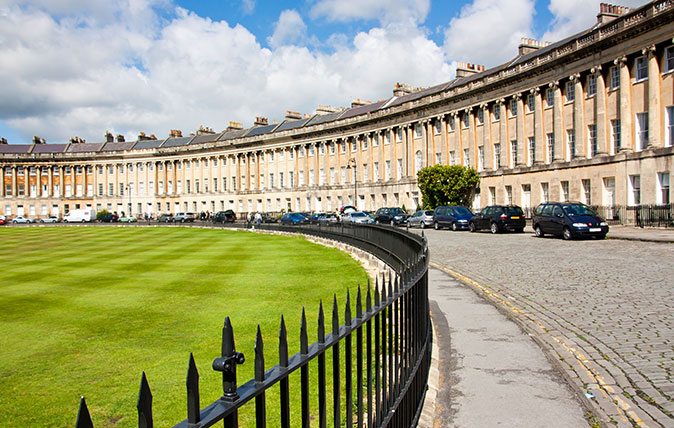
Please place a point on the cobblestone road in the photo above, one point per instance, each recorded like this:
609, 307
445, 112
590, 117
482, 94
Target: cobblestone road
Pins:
603, 309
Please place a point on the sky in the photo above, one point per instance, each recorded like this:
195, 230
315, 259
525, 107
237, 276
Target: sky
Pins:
83, 67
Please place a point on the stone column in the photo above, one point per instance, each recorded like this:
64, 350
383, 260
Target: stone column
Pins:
62, 179
539, 131
486, 137
600, 113
443, 139
521, 131
557, 123
472, 142
654, 128
578, 120
409, 150
15, 188
503, 132
626, 140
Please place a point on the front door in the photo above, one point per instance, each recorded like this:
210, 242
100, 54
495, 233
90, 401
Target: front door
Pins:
609, 197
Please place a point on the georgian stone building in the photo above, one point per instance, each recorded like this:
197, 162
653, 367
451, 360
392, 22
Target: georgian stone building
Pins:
588, 118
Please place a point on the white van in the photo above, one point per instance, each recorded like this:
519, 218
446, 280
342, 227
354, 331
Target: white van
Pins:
79, 216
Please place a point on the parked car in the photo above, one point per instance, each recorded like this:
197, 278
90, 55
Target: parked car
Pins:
165, 218
392, 216
226, 216
328, 218
3, 220
109, 218
421, 218
357, 217
455, 217
294, 218
269, 218
128, 219
498, 218
313, 219
568, 220
50, 219
22, 219
184, 217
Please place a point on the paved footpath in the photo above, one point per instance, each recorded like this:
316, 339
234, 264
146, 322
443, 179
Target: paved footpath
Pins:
601, 311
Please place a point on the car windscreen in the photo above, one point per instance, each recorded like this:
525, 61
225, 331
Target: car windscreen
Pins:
513, 211
358, 215
572, 210
396, 211
462, 211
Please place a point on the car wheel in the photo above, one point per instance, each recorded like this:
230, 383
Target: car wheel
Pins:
538, 231
436, 226
422, 225
41, 221
454, 228
567, 234
376, 222
392, 223
600, 237
494, 228
471, 227
520, 230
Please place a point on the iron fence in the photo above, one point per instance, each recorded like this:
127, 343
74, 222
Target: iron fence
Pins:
638, 215
393, 346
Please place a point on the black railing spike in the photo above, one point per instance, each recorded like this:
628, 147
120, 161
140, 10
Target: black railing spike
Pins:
144, 404
359, 303
422, 234
321, 323
368, 298
376, 297
259, 356
335, 316
227, 362
83, 416
383, 292
347, 310
390, 288
283, 345
304, 340
192, 382
227, 338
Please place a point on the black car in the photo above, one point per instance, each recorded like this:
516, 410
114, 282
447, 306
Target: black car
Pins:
227, 216
109, 218
455, 217
568, 220
498, 218
392, 216
269, 218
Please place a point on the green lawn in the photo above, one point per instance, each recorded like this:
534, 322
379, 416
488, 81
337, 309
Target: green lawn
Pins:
83, 311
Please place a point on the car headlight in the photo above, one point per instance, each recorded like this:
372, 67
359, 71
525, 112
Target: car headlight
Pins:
397, 217
603, 223
463, 221
579, 225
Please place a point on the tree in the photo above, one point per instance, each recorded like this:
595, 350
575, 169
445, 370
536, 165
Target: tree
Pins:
447, 185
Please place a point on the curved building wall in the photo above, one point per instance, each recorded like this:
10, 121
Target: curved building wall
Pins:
588, 118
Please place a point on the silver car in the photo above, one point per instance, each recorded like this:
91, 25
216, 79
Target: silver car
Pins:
421, 218
357, 217
50, 219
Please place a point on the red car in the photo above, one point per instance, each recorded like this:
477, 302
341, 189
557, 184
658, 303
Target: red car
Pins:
2, 220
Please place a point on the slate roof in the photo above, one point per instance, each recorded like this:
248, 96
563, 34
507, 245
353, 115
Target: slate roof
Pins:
206, 138
117, 147
234, 133
323, 118
356, 111
292, 124
175, 142
148, 144
259, 130
15, 148
49, 148
85, 147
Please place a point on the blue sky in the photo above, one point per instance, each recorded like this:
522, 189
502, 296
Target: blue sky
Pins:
81, 67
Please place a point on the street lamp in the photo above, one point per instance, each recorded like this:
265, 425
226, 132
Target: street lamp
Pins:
352, 164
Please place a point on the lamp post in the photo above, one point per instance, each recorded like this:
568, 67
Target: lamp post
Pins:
352, 164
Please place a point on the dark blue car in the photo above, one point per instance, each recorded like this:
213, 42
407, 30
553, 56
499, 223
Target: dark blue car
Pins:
568, 220
454, 217
294, 218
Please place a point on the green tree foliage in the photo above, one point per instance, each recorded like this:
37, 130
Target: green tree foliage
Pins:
447, 185
101, 214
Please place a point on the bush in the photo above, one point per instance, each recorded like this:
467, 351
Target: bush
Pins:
447, 185
101, 214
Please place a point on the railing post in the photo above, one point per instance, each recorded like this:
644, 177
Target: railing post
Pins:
227, 365
192, 382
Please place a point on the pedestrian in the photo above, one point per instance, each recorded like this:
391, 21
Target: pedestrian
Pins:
249, 219
258, 218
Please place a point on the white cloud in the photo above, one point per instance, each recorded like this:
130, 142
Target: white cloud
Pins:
488, 32
248, 6
568, 20
289, 29
386, 11
67, 76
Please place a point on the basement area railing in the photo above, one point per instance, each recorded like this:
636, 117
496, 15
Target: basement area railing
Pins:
390, 324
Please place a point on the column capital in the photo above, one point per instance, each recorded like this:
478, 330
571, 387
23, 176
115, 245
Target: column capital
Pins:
575, 78
500, 101
620, 61
554, 84
535, 91
483, 106
518, 96
648, 50
596, 69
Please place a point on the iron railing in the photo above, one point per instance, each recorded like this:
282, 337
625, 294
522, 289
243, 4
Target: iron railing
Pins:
638, 215
393, 346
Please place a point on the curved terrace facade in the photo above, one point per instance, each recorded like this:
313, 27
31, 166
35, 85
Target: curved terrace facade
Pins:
588, 118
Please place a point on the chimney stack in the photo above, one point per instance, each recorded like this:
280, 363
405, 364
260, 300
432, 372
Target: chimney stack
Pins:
464, 69
359, 103
528, 45
143, 137
401, 89
77, 140
109, 138
120, 138
609, 12
293, 115
176, 133
38, 140
261, 121
3, 140
326, 109
234, 126
205, 130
